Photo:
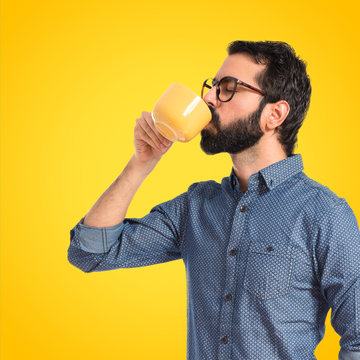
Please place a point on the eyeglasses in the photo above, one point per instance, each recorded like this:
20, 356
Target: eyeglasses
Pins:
226, 87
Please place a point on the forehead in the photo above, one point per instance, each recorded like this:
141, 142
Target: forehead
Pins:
240, 66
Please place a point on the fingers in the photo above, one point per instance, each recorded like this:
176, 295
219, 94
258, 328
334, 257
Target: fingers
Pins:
150, 132
143, 135
151, 124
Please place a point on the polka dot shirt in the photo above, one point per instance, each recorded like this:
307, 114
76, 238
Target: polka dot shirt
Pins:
263, 267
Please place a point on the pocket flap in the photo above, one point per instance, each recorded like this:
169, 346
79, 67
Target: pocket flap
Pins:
271, 248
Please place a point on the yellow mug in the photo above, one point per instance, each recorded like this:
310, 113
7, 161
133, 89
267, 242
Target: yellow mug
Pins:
180, 114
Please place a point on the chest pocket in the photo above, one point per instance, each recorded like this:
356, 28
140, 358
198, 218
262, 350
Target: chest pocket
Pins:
268, 269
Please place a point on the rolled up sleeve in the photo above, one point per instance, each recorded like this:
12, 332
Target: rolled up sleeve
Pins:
155, 238
338, 257
96, 240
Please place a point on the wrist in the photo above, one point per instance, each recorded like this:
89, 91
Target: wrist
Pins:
144, 167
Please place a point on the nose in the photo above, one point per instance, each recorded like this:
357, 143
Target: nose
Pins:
210, 97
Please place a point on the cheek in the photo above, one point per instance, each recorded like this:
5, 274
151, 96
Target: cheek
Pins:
249, 101
239, 111
226, 116
245, 104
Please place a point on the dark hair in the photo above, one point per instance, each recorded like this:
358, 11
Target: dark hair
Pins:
284, 78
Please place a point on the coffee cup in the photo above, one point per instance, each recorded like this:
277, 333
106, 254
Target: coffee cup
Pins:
180, 114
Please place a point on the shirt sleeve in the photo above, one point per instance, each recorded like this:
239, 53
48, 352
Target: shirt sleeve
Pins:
337, 249
155, 238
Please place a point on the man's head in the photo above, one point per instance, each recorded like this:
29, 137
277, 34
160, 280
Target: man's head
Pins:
240, 123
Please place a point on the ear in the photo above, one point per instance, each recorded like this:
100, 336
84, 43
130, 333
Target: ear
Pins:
277, 113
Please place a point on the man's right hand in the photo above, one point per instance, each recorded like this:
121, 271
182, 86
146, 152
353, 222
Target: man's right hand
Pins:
149, 144
110, 209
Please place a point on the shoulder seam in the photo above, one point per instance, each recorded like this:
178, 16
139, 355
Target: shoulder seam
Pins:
336, 202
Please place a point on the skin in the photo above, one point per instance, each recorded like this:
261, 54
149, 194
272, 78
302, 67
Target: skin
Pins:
268, 149
111, 208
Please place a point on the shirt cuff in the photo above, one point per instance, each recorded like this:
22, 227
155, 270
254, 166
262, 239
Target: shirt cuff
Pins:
97, 240
349, 355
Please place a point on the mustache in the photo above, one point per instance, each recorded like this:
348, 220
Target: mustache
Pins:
215, 120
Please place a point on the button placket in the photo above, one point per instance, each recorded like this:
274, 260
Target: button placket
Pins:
233, 252
224, 339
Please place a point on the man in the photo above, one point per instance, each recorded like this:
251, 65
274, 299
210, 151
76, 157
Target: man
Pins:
268, 251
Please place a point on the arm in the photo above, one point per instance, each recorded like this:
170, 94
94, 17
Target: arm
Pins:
111, 207
99, 229
337, 249
155, 238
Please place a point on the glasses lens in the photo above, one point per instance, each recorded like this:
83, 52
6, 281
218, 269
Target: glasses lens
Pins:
206, 86
227, 88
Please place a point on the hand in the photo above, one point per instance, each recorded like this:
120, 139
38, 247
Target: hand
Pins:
149, 144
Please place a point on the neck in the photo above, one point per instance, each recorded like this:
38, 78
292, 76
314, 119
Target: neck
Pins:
253, 159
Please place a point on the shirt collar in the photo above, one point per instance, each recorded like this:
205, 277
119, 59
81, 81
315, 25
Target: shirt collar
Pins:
276, 173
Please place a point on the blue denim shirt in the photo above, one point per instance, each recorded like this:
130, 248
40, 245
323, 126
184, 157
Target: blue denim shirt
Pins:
263, 267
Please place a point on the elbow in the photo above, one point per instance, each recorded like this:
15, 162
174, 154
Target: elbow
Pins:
85, 264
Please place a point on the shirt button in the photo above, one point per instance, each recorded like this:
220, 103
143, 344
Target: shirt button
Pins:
233, 252
243, 208
224, 340
228, 297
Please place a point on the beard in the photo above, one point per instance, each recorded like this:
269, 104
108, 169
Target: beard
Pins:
236, 137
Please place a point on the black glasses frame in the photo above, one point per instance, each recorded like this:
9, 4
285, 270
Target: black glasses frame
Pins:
236, 81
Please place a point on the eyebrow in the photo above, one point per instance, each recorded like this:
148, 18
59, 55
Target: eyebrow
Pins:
214, 78
222, 77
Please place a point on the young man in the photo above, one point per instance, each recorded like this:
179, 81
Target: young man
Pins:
268, 251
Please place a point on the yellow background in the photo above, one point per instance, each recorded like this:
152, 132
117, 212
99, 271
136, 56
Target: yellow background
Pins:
74, 77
